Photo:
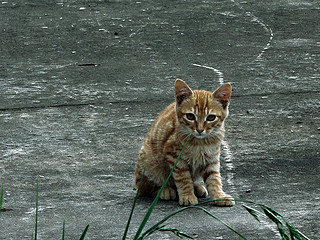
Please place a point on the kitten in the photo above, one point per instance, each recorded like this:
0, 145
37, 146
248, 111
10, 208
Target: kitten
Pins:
201, 114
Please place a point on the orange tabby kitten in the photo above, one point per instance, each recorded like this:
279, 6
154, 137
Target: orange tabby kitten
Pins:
201, 114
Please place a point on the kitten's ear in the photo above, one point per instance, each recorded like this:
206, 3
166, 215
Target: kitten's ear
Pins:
182, 91
223, 94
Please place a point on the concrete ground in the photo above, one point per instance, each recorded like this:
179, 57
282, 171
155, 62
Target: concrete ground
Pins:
82, 81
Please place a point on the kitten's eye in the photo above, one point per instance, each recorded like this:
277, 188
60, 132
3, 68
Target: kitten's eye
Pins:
190, 116
211, 117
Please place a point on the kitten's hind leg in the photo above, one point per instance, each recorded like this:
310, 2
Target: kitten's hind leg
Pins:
148, 188
200, 190
168, 193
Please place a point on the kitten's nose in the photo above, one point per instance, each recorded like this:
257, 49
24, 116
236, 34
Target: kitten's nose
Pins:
200, 131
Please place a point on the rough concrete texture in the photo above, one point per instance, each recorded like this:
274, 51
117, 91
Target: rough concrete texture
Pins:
82, 81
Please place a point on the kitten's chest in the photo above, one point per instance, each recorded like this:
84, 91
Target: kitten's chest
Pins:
200, 156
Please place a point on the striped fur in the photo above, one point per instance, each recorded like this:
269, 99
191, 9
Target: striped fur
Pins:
201, 114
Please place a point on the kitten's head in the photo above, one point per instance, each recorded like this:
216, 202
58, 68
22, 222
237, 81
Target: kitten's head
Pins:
201, 113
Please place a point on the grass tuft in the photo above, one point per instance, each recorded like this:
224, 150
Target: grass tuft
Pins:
285, 229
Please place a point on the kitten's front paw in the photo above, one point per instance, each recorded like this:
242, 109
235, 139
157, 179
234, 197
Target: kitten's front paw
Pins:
227, 200
187, 200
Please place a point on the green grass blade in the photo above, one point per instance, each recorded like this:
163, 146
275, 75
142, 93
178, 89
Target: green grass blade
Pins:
221, 221
161, 228
149, 232
272, 214
283, 234
1, 198
175, 231
147, 216
156, 227
63, 229
255, 213
37, 210
132, 208
295, 234
278, 219
84, 232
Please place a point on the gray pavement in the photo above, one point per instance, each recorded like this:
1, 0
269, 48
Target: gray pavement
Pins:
82, 81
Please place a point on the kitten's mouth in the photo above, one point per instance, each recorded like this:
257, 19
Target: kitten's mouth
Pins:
198, 136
